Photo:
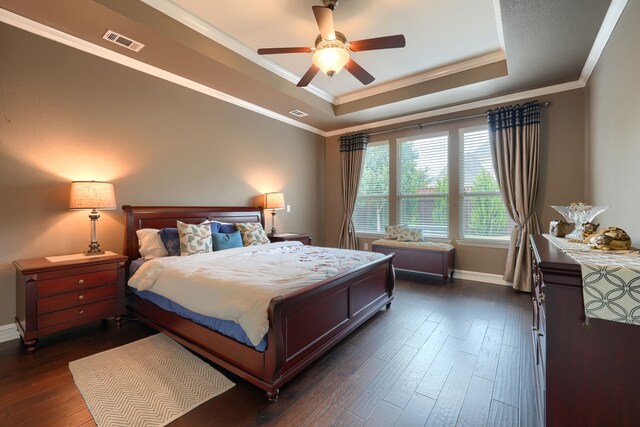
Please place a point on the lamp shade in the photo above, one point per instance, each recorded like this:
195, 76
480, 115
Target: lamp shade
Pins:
274, 201
96, 195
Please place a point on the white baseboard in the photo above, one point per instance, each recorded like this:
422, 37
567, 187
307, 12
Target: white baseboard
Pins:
8, 332
477, 276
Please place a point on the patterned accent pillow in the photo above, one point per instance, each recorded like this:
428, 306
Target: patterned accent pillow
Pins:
194, 238
409, 234
252, 233
391, 231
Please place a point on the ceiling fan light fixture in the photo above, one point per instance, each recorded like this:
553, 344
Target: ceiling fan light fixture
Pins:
331, 60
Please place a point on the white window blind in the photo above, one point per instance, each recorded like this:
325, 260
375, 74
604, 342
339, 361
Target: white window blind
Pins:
423, 183
371, 213
482, 211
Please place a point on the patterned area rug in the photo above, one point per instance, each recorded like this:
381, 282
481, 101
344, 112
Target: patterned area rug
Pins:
149, 382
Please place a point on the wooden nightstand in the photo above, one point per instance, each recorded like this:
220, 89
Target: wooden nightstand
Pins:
288, 237
54, 296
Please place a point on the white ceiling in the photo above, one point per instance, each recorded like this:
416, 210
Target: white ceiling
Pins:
438, 33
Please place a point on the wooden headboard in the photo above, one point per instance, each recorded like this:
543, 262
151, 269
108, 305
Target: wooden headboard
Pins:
137, 217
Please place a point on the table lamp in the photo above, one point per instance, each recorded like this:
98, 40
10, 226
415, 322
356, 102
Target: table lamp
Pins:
275, 202
94, 195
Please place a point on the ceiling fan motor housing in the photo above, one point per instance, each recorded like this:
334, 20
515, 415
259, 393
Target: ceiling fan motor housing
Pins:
331, 4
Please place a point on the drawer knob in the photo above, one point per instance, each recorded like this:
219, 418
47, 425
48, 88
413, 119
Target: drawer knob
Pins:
81, 281
80, 296
81, 312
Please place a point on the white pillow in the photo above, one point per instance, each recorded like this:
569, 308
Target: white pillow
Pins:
150, 244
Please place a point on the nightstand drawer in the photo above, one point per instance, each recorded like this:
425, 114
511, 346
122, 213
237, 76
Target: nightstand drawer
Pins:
77, 315
76, 283
72, 299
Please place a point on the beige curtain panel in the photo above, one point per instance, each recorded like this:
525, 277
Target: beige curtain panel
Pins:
352, 149
514, 135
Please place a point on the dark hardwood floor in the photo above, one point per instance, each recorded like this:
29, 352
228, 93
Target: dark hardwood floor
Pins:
454, 354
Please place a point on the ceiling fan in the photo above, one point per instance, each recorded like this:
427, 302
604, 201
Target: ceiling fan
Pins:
331, 51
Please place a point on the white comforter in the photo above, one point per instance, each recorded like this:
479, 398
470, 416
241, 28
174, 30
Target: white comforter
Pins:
238, 284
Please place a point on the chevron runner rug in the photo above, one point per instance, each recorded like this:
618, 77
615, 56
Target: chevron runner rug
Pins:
149, 382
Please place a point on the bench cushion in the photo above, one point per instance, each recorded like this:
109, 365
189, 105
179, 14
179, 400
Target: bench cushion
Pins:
433, 246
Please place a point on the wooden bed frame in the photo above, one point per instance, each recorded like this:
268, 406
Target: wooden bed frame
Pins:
303, 325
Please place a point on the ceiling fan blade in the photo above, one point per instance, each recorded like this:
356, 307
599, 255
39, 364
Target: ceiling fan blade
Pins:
358, 72
324, 18
308, 76
387, 42
274, 50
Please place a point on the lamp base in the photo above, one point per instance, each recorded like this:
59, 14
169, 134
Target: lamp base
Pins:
273, 217
94, 246
94, 249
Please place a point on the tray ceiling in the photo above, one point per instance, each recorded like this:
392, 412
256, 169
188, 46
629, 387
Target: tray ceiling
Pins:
457, 51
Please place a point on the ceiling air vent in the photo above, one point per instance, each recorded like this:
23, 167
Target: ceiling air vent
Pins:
298, 113
114, 37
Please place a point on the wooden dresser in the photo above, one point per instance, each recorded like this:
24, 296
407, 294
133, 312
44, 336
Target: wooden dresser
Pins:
586, 374
54, 296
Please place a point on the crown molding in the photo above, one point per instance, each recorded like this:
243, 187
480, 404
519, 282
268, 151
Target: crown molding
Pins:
563, 87
77, 43
179, 14
437, 73
606, 29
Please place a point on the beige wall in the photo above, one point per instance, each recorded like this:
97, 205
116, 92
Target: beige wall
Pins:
561, 173
613, 109
66, 115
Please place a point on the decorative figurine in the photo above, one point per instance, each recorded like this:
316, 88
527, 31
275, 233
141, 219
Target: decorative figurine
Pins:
588, 229
611, 238
558, 228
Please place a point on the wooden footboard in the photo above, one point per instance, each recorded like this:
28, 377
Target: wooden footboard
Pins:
307, 323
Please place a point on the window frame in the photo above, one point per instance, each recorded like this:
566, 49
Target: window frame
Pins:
474, 241
398, 175
377, 196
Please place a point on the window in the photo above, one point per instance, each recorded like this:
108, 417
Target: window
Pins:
371, 212
482, 211
415, 178
423, 183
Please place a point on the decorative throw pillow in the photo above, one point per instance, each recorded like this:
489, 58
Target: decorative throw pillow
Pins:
252, 233
409, 234
391, 231
150, 244
194, 238
171, 240
223, 241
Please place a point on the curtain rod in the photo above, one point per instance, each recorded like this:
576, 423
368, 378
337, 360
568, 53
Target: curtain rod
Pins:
420, 125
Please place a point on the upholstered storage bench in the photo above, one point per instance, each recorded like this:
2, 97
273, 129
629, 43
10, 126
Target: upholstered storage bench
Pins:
423, 257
